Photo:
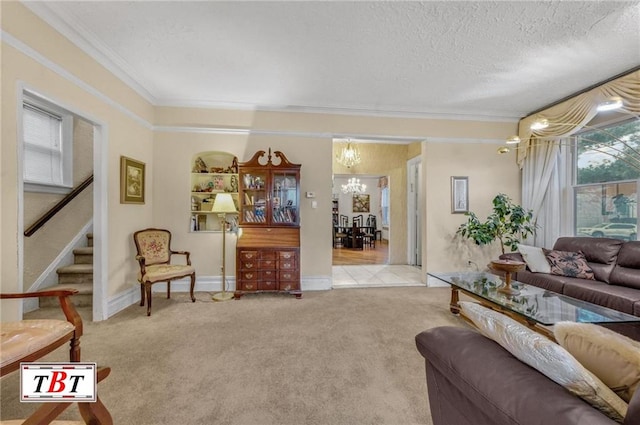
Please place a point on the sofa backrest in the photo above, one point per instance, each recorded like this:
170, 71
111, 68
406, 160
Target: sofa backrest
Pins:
601, 253
627, 269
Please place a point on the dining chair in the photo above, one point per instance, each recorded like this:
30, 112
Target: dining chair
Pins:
369, 234
154, 259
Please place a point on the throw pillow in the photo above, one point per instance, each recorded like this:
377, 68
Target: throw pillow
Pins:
570, 264
535, 258
547, 357
612, 357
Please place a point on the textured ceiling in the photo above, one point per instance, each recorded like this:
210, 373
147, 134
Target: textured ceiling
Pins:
492, 59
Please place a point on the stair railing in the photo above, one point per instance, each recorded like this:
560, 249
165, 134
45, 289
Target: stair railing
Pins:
57, 207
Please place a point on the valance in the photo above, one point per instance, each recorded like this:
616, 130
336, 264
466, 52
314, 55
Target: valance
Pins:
577, 112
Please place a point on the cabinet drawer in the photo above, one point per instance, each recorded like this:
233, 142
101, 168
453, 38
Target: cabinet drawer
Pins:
287, 255
267, 285
249, 256
268, 255
289, 286
249, 286
268, 264
249, 265
268, 275
290, 264
288, 275
249, 275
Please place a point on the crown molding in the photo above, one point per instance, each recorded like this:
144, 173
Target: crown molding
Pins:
62, 72
122, 70
236, 106
92, 47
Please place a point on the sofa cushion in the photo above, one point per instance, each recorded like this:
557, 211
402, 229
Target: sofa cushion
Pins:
535, 258
471, 380
549, 282
627, 269
615, 297
568, 263
612, 357
547, 357
601, 253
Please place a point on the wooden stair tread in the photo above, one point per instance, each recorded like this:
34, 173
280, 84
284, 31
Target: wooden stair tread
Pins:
85, 250
82, 288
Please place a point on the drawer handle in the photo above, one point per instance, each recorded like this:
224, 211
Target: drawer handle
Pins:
287, 256
286, 265
287, 276
249, 275
248, 255
249, 265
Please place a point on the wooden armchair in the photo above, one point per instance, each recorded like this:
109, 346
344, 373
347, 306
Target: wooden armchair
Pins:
29, 340
154, 258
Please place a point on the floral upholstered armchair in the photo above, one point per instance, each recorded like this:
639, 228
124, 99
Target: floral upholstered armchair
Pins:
154, 258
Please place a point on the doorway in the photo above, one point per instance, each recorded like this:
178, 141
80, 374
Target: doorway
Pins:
96, 155
368, 206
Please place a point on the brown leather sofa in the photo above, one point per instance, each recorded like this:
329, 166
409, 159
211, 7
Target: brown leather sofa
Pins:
616, 265
472, 380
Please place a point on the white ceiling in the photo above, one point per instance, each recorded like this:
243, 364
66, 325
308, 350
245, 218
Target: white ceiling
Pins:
491, 59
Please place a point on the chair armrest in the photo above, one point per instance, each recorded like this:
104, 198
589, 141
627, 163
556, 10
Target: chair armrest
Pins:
185, 253
63, 295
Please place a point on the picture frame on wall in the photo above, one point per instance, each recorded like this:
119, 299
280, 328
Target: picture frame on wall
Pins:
459, 194
132, 181
361, 203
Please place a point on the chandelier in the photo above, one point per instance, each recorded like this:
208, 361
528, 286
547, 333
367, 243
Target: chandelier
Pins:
349, 156
354, 186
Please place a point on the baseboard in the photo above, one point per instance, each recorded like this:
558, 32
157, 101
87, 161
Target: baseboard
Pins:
131, 296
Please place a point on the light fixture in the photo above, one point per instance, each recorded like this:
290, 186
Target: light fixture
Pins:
223, 205
614, 102
513, 140
354, 186
539, 124
349, 155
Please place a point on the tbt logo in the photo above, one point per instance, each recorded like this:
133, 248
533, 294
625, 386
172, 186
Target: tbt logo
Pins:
43, 382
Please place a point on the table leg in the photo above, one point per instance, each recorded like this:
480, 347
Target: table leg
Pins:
454, 306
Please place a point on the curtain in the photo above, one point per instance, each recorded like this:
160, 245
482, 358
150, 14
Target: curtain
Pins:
542, 187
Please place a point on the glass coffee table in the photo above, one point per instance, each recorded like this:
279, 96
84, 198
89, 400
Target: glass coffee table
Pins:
534, 307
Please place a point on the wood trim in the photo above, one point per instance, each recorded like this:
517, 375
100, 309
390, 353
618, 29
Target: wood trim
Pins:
57, 207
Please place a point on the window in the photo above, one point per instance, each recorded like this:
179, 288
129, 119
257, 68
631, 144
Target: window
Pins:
48, 156
606, 190
384, 204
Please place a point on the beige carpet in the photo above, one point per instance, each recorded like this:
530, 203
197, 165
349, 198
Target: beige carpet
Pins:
345, 356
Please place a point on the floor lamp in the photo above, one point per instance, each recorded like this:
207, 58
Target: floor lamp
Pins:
223, 205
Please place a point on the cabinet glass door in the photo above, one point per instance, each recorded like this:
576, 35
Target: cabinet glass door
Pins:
284, 198
254, 197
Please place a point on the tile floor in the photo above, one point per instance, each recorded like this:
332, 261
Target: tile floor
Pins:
376, 275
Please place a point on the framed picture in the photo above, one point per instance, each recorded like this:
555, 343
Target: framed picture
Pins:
361, 203
131, 181
459, 194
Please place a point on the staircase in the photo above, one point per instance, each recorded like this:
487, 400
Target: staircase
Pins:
78, 275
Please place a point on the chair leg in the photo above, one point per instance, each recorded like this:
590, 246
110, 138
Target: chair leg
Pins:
141, 294
147, 288
168, 289
193, 285
74, 349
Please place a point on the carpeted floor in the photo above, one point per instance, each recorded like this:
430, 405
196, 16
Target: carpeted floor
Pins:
345, 356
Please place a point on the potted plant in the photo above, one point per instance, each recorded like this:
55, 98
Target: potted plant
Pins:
509, 223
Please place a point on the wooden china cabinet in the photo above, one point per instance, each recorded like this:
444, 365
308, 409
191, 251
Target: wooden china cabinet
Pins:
268, 247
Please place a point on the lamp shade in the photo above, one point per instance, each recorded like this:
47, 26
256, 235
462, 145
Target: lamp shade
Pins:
223, 204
